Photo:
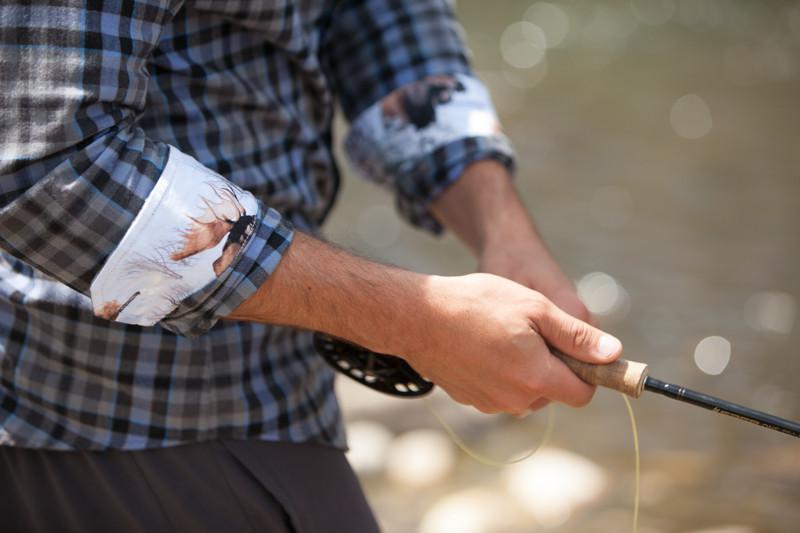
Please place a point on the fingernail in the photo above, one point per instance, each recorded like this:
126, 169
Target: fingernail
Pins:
608, 346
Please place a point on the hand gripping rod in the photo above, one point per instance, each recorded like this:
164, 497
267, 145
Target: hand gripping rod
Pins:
392, 375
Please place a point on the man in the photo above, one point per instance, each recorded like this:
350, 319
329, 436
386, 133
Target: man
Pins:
164, 166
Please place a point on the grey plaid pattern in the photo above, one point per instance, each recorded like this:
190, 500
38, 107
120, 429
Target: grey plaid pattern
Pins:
92, 93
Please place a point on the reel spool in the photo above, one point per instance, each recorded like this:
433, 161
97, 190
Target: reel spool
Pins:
381, 372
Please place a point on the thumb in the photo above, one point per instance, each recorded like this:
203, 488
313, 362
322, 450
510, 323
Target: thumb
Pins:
576, 338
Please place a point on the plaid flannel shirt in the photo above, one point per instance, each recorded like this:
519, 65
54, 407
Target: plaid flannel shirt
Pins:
106, 104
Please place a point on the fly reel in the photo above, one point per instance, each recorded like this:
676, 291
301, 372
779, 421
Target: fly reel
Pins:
384, 373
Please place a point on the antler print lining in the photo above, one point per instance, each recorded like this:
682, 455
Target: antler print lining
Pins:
217, 220
174, 245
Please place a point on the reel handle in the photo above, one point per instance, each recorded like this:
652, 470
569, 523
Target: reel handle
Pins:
624, 376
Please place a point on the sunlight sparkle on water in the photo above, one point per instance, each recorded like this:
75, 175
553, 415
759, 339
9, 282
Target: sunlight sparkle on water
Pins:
523, 44
712, 355
552, 19
605, 34
601, 294
690, 117
771, 311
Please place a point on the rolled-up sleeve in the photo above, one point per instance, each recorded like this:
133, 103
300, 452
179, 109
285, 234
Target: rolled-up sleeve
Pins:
148, 233
418, 114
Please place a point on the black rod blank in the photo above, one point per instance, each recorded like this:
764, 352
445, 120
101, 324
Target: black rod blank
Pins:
683, 394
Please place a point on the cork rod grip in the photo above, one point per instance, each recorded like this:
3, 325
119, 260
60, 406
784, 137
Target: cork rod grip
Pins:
622, 375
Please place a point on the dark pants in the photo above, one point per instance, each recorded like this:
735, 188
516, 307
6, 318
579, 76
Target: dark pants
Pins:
218, 486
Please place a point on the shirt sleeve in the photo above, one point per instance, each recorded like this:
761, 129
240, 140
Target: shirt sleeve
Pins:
418, 115
148, 233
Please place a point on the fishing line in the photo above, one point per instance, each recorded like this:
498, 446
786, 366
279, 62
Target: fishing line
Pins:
548, 431
392, 375
637, 470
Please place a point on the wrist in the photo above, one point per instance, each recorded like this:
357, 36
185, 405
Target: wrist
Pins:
511, 230
416, 310
395, 318
478, 206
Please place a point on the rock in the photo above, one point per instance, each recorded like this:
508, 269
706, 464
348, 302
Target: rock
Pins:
553, 483
368, 443
420, 458
476, 510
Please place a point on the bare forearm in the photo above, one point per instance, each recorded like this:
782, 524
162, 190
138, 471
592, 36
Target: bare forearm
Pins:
478, 336
483, 208
319, 287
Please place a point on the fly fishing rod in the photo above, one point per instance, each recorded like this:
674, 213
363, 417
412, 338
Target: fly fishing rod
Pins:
392, 375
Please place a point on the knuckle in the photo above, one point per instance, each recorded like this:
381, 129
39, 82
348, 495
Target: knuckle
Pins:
526, 387
532, 386
518, 380
539, 307
518, 405
533, 380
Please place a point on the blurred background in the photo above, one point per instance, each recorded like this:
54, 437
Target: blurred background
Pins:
659, 150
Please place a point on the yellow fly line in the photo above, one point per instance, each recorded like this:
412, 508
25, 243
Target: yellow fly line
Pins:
548, 431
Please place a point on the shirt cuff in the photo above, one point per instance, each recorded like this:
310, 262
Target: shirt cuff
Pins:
197, 249
419, 139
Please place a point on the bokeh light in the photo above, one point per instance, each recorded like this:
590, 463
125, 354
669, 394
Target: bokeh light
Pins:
766, 62
605, 34
523, 44
690, 117
553, 21
771, 311
712, 355
602, 294
475, 510
420, 458
553, 483
368, 442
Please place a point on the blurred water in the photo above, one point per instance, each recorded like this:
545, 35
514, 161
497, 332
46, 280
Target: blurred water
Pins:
659, 148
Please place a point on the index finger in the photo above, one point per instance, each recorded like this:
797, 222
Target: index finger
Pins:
562, 385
